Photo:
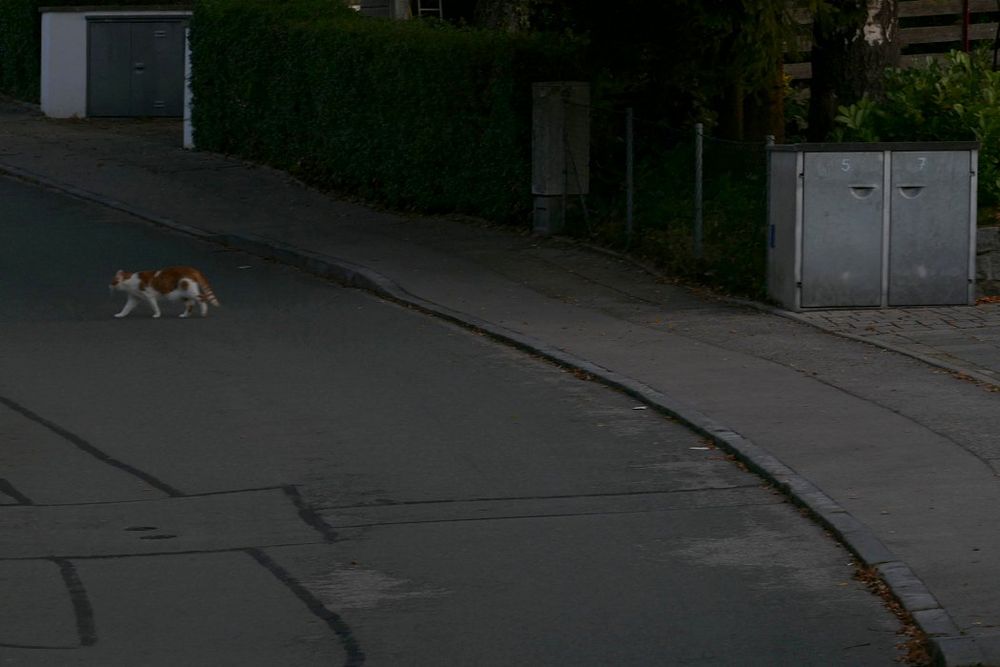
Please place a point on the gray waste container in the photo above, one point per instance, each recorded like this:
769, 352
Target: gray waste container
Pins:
872, 225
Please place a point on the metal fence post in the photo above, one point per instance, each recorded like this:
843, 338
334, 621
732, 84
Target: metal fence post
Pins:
629, 174
699, 139
768, 229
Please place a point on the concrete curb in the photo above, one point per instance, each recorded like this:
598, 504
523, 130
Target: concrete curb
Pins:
86, 195
948, 646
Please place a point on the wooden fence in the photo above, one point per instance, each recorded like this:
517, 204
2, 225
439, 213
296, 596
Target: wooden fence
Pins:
927, 29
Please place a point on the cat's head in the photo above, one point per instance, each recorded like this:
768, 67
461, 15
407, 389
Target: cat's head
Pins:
118, 280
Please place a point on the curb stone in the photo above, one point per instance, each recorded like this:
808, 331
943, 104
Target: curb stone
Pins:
949, 648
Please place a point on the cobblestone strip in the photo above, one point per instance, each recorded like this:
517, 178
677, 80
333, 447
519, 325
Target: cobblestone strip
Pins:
962, 339
873, 322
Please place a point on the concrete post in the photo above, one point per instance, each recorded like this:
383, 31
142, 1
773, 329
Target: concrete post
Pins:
560, 150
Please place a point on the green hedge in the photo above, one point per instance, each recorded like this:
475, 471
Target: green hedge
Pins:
19, 48
413, 114
20, 41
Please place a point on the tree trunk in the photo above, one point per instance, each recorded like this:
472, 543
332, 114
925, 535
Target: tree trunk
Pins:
732, 115
852, 45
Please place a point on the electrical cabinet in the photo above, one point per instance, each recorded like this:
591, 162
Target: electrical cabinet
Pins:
871, 225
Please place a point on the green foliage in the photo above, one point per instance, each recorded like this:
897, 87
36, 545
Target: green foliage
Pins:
677, 60
19, 49
957, 99
857, 121
733, 255
734, 211
410, 113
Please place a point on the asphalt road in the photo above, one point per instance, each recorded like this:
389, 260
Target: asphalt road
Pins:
312, 476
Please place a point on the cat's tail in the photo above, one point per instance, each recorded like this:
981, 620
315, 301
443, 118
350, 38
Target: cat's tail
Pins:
206, 294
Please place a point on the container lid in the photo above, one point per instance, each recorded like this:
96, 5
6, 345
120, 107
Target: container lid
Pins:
858, 147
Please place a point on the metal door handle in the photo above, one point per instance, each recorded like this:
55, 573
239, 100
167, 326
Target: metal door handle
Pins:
862, 191
911, 191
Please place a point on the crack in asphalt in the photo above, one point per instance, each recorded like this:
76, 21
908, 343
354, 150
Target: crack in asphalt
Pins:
553, 515
572, 496
92, 450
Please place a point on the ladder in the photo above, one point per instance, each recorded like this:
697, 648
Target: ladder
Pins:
430, 8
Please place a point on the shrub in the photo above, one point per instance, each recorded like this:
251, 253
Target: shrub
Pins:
734, 203
414, 114
19, 49
957, 99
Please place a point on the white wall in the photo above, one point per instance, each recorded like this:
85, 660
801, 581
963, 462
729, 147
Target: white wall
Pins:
396, 9
64, 65
64, 59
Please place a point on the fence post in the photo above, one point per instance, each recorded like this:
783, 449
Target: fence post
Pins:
629, 175
699, 136
768, 229
188, 136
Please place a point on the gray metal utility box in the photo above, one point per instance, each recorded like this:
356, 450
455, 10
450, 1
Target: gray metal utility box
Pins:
872, 225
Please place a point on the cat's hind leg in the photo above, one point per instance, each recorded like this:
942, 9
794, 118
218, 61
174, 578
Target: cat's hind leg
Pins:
203, 307
152, 304
188, 307
128, 307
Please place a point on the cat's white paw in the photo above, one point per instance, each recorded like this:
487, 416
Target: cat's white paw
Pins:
156, 316
183, 315
119, 315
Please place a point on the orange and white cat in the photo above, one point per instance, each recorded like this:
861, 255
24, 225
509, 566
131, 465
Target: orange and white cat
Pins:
176, 283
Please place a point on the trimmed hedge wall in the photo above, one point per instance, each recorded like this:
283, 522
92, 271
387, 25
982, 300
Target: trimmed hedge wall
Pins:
20, 41
413, 114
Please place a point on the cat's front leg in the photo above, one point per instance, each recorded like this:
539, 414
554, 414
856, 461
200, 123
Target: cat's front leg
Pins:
128, 307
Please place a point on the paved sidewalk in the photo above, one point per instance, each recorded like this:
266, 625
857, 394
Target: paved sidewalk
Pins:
898, 457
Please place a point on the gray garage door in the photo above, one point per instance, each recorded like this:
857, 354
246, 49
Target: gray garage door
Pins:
135, 67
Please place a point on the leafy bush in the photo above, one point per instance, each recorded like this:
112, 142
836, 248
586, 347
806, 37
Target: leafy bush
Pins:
414, 114
19, 49
957, 99
734, 199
